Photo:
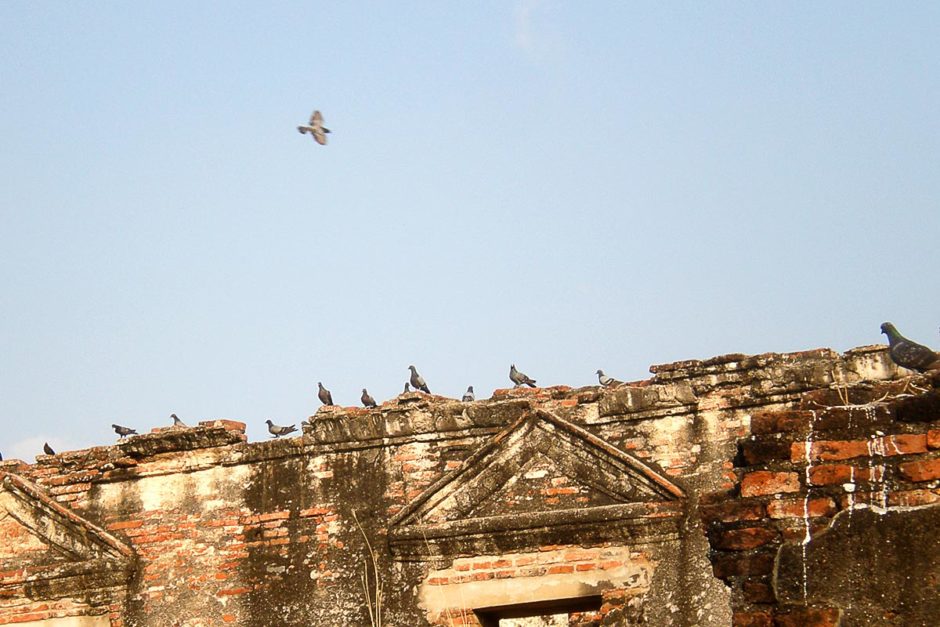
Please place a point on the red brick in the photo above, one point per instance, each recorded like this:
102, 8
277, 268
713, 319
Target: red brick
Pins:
233, 591
125, 524
744, 539
758, 592
561, 569
727, 565
829, 450
763, 482
922, 470
808, 617
273, 516
933, 438
751, 619
798, 508
763, 451
912, 498
829, 474
904, 444
733, 511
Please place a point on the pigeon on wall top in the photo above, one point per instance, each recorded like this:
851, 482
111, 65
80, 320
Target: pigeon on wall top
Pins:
606, 381
176, 421
367, 400
47, 449
315, 128
469, 396
123, 431
520, 378
324, 394
407, 388
908, 354
417, 381
277, 431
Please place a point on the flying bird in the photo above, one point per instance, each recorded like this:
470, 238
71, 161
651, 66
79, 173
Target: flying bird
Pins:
324, 394
469, 396
520, 378
315, 128
176, 421
47, 449
278, 431
417, 381
367, 401
909, 354
606, 381
123, 431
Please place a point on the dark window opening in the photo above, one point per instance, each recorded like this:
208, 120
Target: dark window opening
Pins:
491, 616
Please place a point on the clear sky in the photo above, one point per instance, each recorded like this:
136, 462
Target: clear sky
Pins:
563, 185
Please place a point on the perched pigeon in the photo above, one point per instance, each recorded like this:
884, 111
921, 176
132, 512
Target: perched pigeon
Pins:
417, 381
519, 378
176, 421
325, 397
606, 381
469, 397
1, 457
316, 128
47, 449
277, 431
367, 401
407, 388
123, 431
909, 354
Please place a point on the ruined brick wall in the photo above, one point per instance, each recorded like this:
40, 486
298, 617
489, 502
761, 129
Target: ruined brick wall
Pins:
832, 518
662, 502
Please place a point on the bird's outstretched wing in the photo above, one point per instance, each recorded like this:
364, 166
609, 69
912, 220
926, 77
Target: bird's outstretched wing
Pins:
319, 136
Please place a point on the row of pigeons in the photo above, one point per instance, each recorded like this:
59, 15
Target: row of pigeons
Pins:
903, 352
415, 382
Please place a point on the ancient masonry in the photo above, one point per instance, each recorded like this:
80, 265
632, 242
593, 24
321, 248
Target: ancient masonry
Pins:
779, 489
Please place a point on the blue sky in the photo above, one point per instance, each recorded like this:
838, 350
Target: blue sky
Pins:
566, 186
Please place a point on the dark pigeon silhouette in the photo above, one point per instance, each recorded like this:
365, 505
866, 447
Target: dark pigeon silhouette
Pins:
469, 396
278, 431
367, 401
176, 421
47, 449
324, 394
520, 378
407, 388
315, 128
606, 381
123, 431
908, 354
417, 381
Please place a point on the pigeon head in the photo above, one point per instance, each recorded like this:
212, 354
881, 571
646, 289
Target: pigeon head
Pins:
174, 416
364, 391
600, 373
411, 368
469, 388
269, 422
887, 328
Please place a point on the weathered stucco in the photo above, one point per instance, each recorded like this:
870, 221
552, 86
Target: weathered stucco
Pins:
714, 493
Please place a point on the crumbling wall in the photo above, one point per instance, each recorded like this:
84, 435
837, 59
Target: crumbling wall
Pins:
834, 509
471, 508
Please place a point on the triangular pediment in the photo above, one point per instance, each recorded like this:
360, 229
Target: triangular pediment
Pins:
542, 471
50, 538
